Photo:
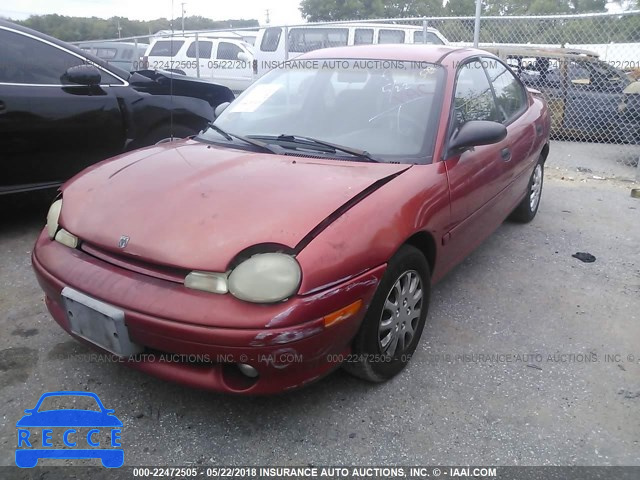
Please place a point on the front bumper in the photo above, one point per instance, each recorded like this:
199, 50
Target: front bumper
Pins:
188, 334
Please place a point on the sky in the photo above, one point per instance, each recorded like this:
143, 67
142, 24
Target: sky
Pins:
280, 11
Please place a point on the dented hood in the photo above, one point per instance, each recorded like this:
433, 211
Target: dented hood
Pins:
195, 206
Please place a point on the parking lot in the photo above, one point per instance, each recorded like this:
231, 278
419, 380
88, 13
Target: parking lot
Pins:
529, 356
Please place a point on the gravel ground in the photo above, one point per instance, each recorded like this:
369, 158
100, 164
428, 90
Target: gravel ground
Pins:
521, 293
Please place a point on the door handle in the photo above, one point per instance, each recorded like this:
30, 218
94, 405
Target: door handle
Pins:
505, 153
3, 106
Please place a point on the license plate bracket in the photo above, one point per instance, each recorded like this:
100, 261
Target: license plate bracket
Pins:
98, 323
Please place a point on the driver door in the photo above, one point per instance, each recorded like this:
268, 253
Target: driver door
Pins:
477, 175
49, 130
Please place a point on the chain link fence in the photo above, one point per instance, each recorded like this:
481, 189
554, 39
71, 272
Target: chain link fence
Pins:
587, 66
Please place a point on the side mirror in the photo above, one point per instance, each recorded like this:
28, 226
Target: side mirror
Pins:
478, 132
82, 75
244, 57
220, 108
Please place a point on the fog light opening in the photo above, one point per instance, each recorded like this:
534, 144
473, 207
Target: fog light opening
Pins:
248, 370
235, 379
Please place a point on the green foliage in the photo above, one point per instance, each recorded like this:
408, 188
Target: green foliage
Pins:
328, 10
73, 29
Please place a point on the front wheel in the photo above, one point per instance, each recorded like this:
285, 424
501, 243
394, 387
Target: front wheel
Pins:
528, 207
393, 324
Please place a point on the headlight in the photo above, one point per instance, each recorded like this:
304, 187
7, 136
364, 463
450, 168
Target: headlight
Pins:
52, 218
265, 278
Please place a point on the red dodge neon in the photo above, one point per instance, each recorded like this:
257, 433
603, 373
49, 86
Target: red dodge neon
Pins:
304, 228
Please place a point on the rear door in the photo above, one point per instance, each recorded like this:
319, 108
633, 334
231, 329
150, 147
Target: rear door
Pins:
50, 130
202, 51
269, 49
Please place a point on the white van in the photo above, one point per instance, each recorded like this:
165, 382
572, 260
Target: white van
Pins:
225, 61
246, 35
271, 49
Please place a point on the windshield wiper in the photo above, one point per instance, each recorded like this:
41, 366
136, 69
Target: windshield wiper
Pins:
230, 136
315, 143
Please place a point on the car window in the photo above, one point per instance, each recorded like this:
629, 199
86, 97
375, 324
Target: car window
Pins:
432, 38
108, 79
510, 95
228, 51
30, 61
473, 98
363, 36
204, 49
595, 76
271, 39
106, 53
308, 39
166, 48
390, 36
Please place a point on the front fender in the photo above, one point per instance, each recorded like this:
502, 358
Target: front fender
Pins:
145, 111
368, 234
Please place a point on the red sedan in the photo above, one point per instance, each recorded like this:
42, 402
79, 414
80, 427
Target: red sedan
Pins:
304, 229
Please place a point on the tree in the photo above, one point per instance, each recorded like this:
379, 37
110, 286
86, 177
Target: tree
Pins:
74, 29
331, 10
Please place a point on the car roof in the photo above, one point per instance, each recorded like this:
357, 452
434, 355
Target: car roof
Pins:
201, 36
72, 48
412, 52
364, 25
101, 44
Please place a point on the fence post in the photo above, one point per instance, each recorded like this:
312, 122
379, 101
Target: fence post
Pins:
197, 56
424, 31
476, 28
286, 43
136, 57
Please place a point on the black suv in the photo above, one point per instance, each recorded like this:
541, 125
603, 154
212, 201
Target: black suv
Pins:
62, 109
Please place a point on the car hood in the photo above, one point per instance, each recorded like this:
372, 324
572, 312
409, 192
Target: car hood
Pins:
159, 82
195, 206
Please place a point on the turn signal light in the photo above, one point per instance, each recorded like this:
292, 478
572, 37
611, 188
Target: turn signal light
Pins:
342, 314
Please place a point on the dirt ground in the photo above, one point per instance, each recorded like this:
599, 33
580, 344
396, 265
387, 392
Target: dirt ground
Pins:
529, 356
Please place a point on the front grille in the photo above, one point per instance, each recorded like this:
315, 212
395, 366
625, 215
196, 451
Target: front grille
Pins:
162, 272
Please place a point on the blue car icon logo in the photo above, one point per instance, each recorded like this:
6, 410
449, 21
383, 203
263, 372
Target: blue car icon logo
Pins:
81, 431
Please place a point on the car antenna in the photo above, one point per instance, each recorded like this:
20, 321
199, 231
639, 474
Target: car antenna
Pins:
171, 78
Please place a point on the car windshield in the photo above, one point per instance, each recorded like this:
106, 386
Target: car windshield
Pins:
388, 109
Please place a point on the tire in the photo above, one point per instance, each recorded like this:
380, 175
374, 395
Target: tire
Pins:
528, 207
374, 358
